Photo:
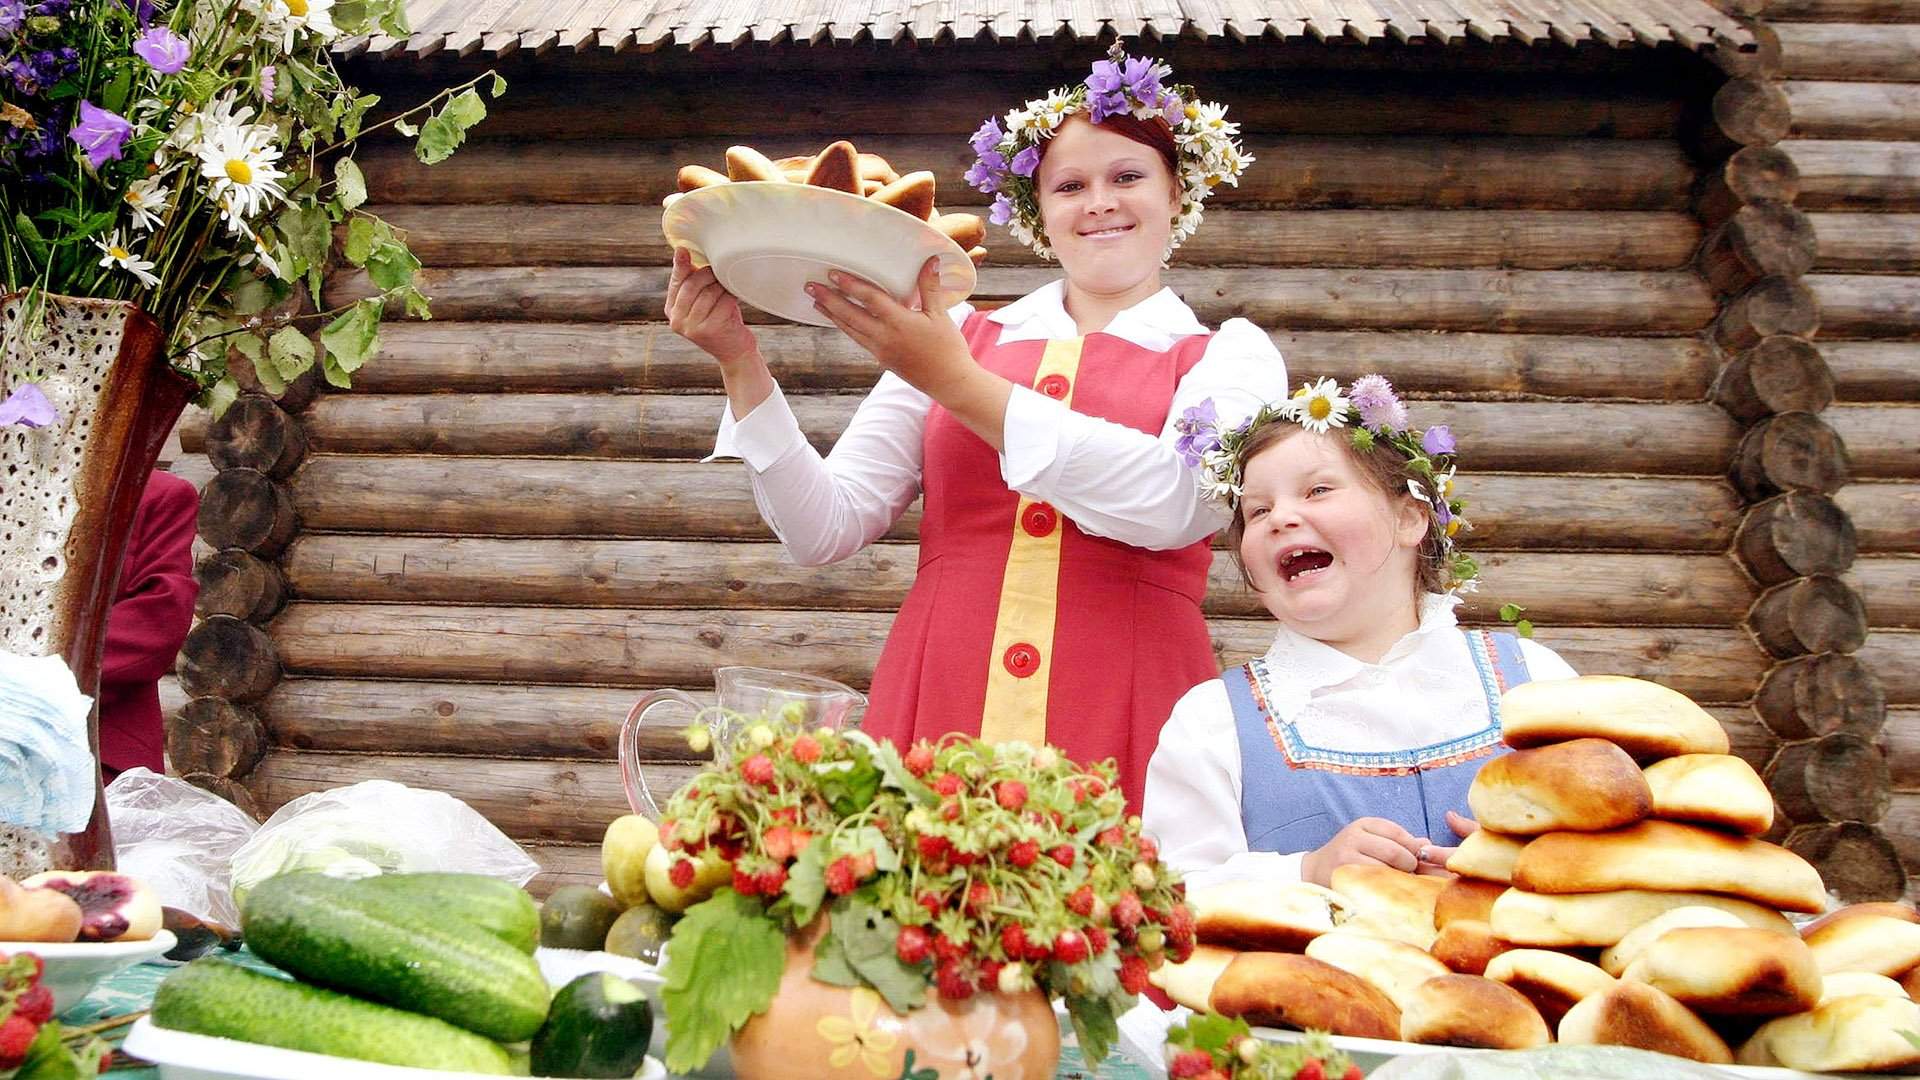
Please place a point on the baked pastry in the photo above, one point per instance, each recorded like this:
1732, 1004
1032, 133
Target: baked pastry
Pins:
1859, 1033
875, 167
1731, 971
1635, 1014
1467, 1010
1669, 856
1265, 917
744, 163
1487, 855
1294, 991
1881, 944
1389, 903
1191, 983
1910, 982
699, 176
1465, 898
978, 255
1393, 967
836, 167
967, 230
1553, 981
912, 193
1585, 784
1852, 983
1467, 946
1711, 789
1615, 958
1647, 720
1576, 919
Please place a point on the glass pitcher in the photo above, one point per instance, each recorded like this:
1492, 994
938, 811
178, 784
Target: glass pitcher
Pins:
742, 692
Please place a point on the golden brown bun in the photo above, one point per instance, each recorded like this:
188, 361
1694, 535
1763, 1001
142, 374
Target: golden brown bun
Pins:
1191, 983
837, 167
1466, 898
1647, 720
1487, 855
1389, 903
746, 163
693, 177
1467, 946
875, 167
1289, 990
978, 255
1910, 982
967, 230
1876, 943
1881, 908
1393, 967
1635, 1014
1615, 958
1855, 983
1711, 789
1467, 1010
1585, 784
868, 187
1577, 919
1859, 1033
1731, 971
912, 193
1669, 856
1553, 981
1263, 917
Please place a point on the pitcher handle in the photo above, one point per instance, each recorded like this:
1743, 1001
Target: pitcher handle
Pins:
639, 797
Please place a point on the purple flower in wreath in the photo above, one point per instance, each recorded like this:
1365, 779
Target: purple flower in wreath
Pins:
163, 50
102, 134
986, 172
1002, 210
988, 137
1026, 161
1442, 511
28, 407
1173, 111
12, 14
1437, 440
1198, 432
1373, 395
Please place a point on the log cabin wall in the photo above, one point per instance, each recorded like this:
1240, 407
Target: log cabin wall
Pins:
505, 534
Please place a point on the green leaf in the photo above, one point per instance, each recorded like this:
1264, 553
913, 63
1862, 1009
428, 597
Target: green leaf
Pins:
351, 184
30, 235
866, 937
830, 964
252, 297
1510, 612
250, 345
443, 132
309, 236
335, 375
1208, 1031
893, 771
849, 786
50, 1058
1524, 628
391, 265
354, 336
723, 966
202, 85
393, 18
416, 303
223, 394
289, 352
269, 379
1911, 1037
361, 232
807, 882
405, 128
1094, 1023
356, 113
497, 87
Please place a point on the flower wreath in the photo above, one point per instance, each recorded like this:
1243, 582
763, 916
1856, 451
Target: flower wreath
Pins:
1375, 416
1203, 139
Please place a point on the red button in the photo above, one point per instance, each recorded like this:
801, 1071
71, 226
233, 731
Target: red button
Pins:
1040, 520
1022, 660
1054, 386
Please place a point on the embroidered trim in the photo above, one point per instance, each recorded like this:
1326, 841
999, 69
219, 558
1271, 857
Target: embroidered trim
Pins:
1299, 754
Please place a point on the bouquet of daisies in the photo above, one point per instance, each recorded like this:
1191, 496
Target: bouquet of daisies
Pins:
195, 157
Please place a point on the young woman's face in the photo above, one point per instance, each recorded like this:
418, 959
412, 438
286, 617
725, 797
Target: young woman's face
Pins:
1108, 205
1329, 554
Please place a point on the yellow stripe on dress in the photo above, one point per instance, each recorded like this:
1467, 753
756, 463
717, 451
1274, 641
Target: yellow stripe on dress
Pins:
1017, 680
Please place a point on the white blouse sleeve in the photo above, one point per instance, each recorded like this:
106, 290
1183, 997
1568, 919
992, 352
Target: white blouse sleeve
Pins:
1543, 663
1127, 485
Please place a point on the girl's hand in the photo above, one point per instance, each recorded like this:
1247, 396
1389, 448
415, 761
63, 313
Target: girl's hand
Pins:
1433, 858
1365, 840
920, 344
701, 310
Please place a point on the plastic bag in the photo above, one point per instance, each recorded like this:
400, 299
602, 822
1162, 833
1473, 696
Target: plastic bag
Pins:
378, 827
178, 839
1547, 1063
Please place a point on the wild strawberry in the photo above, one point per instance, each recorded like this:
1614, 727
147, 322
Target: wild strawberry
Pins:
920, 759
1022, 854
932, 902
1097, 940
965, 859
806, 749
913, 945
1189, 1063
783, 842
933, 849
1353, 1073
1213, 1074
948, 784
1011, 794
950, 809
1149, 850
841, 879
787, 815
979, 895
864, 864
758, 770
1133, 974
1012, 978
743, 881
1311, 1069
1128, 911
989, 980
1180, 924
1113, 837
953, 983
1062, 854
1143, 875
36, 1004
106, 1060
1078, 785
1080, 901
1070, 947
16, 1035
1181, 952
771, 880
681, 874
1013, 939
948, 950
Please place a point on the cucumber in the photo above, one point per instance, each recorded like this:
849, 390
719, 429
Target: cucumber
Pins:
599, 1027
501, 908
397, 950
214, 997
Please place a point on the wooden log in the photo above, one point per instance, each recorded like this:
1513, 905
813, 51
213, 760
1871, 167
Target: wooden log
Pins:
563, 864
1753, 176
455, 357
1874, 370
226, 658
1774, 306
1853, 110
1900, 742
242, 508
232, 791
681, 647
1745, 112
342, 493
1890, 588
1880, 439
1506, 436
255, 433
1857, 862
1550, 301
1417, 171
1758, 59
1809, 697
1811, 615
215, 736
192, 430
1849, 51
1748, 739
1781, 374
1841, 777
233, 582
1790, 452
1768, 240
1869, 242
1894, 656
1856, 174
1843, 11
1867, 305
1793, 535
1886, 517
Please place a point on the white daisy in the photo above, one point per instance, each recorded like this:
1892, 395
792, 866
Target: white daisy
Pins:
116, 254
239, 160
291, 17
148, 200
1318, 406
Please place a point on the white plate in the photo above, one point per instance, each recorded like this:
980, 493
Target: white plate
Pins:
74, 968
184, 1056
766, 240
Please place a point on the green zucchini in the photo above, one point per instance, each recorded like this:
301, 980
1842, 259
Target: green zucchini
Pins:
501, 908
214, 997
599, 1026
396, 950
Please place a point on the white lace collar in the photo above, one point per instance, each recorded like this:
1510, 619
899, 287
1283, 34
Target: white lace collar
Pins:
1299, 666
1154, 323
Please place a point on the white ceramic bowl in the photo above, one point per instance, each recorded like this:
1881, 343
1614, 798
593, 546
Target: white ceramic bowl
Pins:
75, 968
184, 1056
766, 240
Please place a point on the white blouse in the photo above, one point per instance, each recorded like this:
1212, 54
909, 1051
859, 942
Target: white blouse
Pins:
1111, 480
1192, 802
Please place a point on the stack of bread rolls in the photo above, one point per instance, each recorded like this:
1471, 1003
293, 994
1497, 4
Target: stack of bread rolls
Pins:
1615, 893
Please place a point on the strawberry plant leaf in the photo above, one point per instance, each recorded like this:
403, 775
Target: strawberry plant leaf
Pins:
723, 966
866, 939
